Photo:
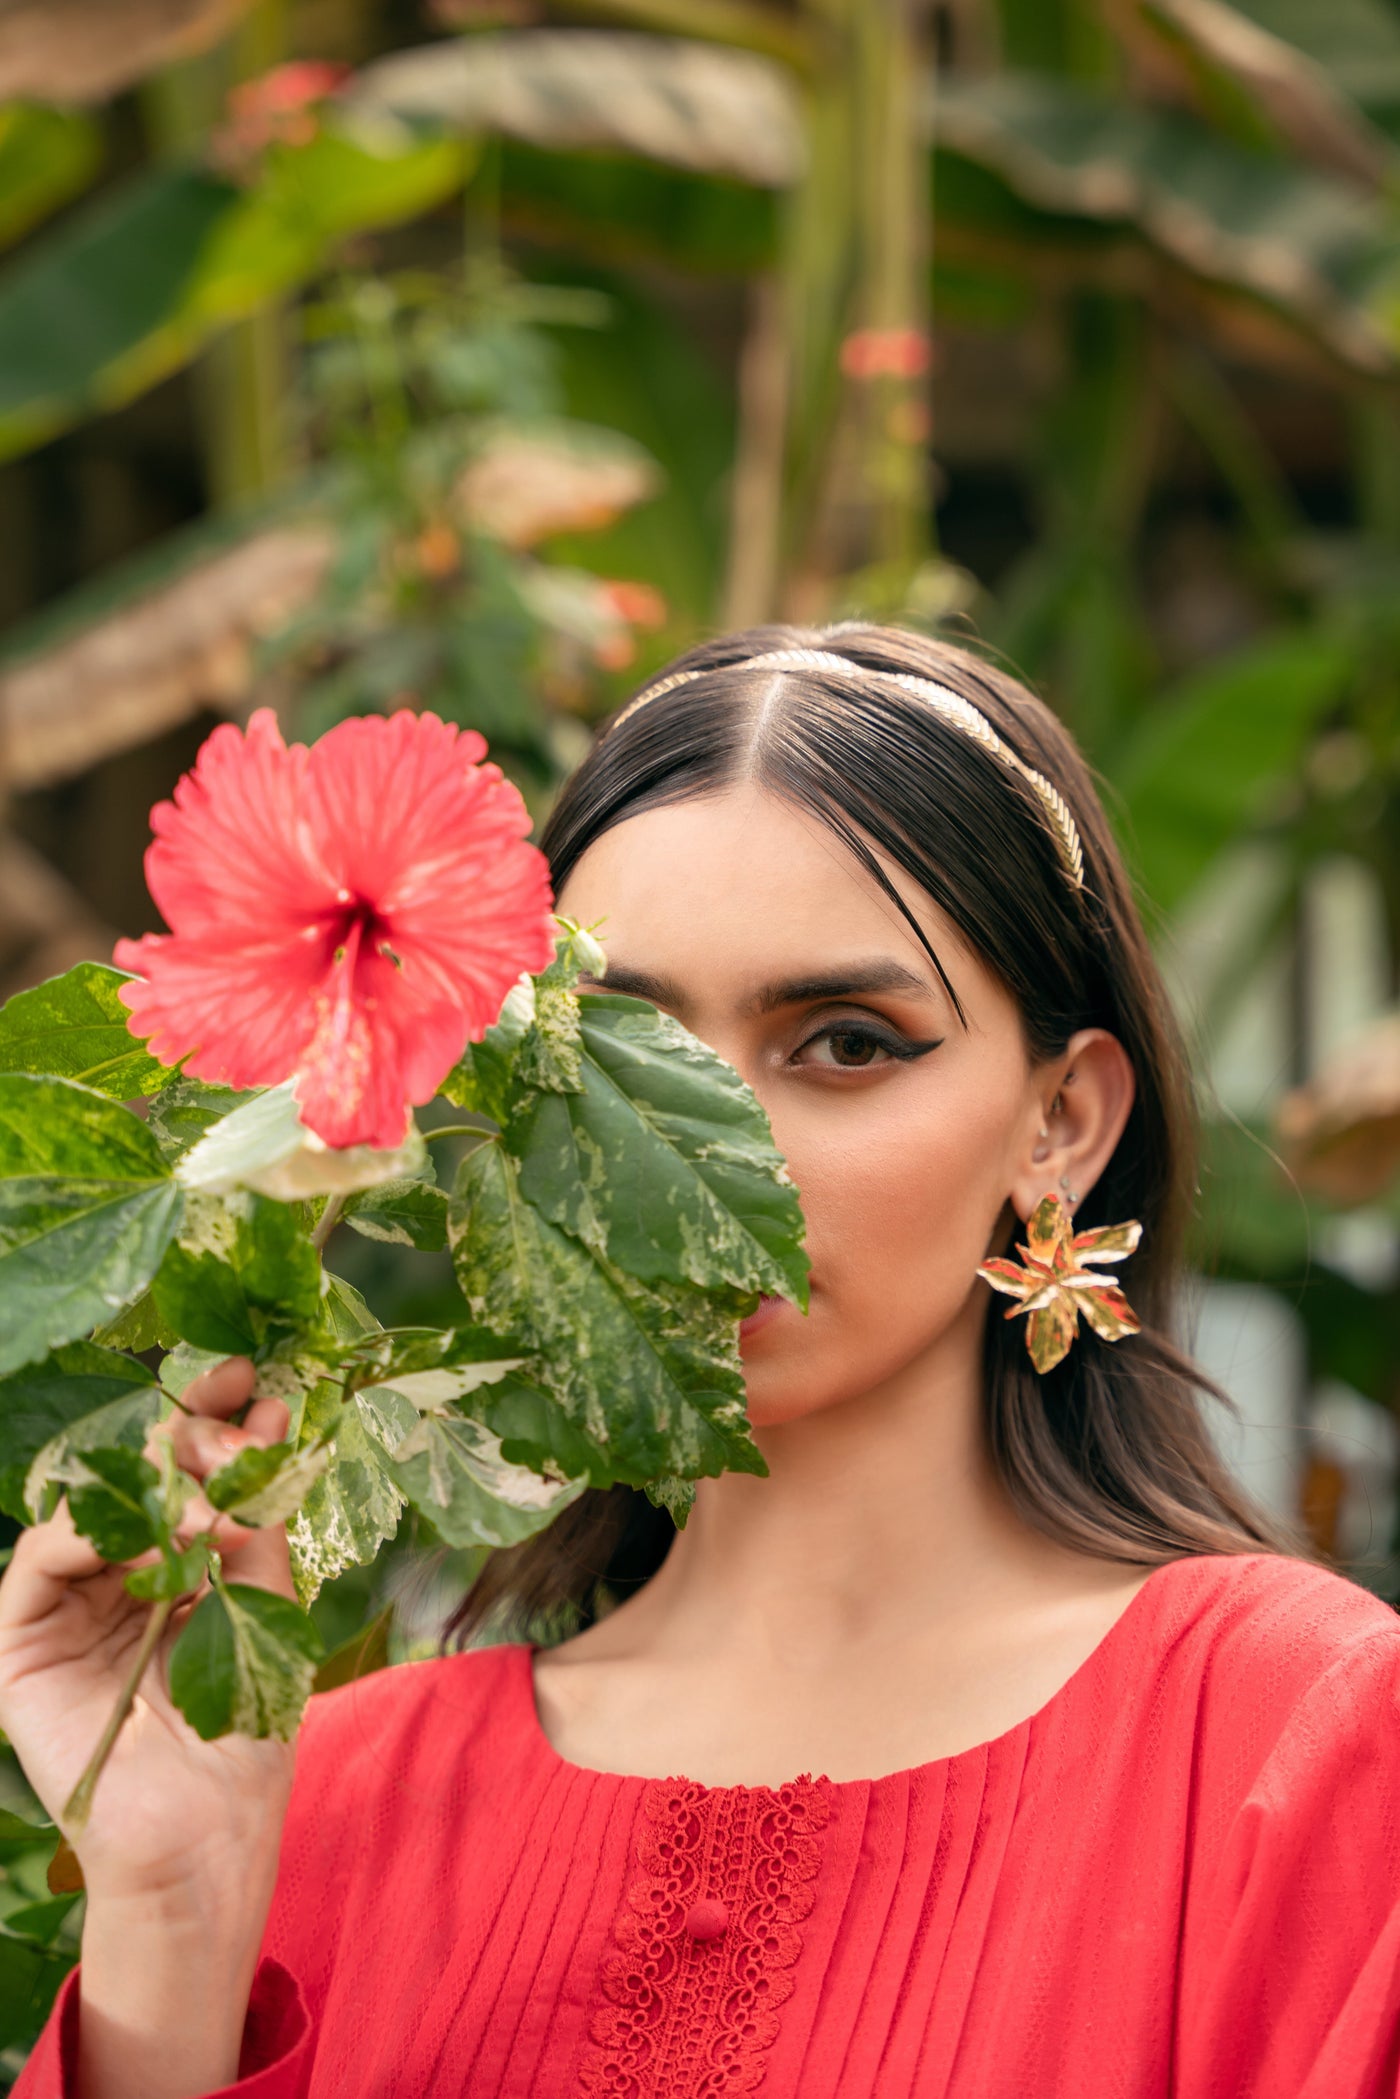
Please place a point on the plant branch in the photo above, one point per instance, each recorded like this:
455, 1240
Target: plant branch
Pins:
79, 1806
327, 1221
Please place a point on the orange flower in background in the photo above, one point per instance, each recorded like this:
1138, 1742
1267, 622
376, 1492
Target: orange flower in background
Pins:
352, 914
1055, 1285
886, 353
276, 108
637, 603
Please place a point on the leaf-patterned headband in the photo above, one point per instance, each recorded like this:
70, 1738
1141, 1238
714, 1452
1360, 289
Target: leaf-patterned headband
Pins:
949, 706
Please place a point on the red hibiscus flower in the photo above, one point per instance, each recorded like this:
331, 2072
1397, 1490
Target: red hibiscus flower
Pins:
352, 914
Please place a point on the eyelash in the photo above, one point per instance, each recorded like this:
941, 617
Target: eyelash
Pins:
894, 1046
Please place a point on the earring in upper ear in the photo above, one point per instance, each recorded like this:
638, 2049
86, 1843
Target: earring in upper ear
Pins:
1055, 1285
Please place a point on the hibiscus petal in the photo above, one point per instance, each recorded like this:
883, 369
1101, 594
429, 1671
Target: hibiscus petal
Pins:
377, 1046
231, 853
237, 1016
436, 842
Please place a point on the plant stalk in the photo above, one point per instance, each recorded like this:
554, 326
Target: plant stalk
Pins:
327, 1221
79, 1806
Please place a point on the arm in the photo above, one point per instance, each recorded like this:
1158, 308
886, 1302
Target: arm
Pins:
180, 1851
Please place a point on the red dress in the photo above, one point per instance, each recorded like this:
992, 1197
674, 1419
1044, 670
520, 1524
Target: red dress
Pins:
1179, 1880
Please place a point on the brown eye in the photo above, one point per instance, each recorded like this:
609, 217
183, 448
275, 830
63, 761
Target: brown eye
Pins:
848, 1049
850, 1046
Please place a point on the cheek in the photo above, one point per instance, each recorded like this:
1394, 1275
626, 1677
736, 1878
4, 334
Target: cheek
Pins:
900, 1205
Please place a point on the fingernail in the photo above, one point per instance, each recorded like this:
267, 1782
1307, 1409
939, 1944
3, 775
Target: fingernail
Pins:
231, 1439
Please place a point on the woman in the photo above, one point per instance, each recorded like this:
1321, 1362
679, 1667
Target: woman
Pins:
1108, 1792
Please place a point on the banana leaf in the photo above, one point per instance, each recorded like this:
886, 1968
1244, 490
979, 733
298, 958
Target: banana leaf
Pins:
1297, 241
131, 288
46, 157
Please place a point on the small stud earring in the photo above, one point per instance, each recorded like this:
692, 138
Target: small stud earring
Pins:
1071, 1194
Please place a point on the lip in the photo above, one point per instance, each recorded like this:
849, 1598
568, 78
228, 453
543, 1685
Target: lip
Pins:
766, 1311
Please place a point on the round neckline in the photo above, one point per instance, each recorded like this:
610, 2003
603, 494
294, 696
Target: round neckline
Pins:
1092, 1665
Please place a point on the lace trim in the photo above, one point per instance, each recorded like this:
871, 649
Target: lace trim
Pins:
690, 2015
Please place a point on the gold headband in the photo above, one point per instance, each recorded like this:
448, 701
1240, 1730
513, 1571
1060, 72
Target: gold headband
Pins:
949, 706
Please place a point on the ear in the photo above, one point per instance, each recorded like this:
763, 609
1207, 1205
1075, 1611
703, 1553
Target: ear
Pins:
1083, 1100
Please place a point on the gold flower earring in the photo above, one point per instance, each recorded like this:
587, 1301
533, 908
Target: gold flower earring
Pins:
1055, 1285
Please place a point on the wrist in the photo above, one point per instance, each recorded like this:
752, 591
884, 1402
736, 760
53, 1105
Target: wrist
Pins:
220, 1891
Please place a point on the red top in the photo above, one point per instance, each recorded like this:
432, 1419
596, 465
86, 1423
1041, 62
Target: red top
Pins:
1179, 1880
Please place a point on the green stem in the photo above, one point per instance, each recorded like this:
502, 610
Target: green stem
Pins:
327, 1221
79, 1807
462, 1129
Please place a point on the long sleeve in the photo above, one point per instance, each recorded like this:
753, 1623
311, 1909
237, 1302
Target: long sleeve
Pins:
277, 2044
1290, 1978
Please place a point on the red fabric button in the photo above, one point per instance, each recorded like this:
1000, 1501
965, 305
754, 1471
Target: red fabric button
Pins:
706, 1920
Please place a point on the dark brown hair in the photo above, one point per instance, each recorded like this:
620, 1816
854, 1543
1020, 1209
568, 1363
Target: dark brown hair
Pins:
1109, 1452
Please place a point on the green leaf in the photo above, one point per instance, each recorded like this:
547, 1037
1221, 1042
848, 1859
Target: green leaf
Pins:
39, 1922
43, 1404
482, 1082
113, 1507
244, 1663
130, 289
356, 1503
1356, 41
266, 1485
401, 1213
454, 1471
87, 1209
183, 1111
75, 1027
534, 1430
174, 1575
363, 1654
649, 1374
1202, 766
1265, 228
264, 1145
46, 156
29, 1981
18, 1835
662, 1160
92, 292
677, 1497
241, 1274
138, 1328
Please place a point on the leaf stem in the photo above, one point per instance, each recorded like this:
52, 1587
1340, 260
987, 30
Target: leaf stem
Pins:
327, 1221
464, 1129
79, 1806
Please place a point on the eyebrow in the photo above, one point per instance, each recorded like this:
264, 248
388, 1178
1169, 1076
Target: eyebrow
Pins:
853, 982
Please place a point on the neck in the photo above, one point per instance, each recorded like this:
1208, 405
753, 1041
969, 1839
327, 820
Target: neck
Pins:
879, 1515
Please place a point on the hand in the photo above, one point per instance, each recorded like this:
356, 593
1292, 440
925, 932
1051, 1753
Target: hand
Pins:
170, 1812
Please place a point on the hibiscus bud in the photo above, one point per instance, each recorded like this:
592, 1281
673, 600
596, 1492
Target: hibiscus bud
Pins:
588, 950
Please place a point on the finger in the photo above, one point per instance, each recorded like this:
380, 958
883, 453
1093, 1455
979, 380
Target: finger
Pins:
262, 1560
46, 1559
202, 1443
267, 1420
258, 1557
222, 1390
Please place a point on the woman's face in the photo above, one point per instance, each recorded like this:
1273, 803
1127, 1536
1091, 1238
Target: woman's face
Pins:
904, 1130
